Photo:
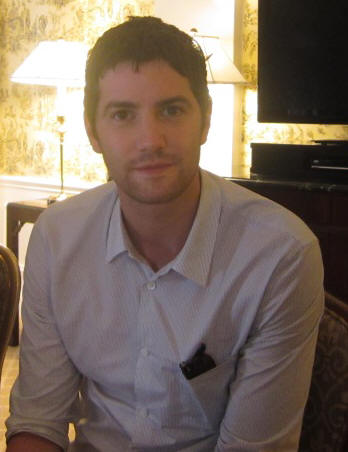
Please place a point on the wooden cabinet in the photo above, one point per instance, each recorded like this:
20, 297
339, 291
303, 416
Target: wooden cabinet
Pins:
324, 208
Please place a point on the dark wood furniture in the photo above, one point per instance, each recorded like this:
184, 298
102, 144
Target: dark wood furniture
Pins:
324, 207
19, 213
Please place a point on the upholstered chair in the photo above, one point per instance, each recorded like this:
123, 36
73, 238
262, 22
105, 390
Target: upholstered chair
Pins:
325, 422
10, 287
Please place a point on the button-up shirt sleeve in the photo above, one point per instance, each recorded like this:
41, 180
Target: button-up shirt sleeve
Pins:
267, 397
42, 399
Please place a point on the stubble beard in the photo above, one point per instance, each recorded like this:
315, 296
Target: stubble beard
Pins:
161, 190
157, 189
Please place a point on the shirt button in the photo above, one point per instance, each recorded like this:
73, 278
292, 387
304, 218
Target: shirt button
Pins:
144, 351
151, 285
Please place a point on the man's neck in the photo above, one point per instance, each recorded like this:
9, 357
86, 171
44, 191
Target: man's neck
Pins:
159, 231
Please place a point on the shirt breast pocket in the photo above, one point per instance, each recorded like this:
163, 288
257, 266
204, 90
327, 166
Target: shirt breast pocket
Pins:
211, 390
198, 403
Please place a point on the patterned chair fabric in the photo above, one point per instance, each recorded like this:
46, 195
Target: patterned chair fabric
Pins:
325, 422
4, 287
10, 284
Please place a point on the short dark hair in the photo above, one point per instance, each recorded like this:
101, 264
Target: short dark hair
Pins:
140, 40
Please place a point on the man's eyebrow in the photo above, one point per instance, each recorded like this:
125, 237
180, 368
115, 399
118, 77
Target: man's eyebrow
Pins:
173, 100
116, 104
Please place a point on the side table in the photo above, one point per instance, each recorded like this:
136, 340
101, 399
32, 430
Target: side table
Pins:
19, 213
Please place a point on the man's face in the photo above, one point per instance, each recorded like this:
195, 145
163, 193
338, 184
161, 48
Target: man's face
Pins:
149, 128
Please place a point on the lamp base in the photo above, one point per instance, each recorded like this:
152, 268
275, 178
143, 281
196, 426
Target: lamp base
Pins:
54, 198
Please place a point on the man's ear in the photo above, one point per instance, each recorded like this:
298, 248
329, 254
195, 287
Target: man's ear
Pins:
206, 122
93, 139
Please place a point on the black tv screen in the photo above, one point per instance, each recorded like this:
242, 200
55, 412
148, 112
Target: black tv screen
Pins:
302, 61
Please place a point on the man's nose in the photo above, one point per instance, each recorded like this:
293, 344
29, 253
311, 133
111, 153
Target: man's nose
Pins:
151, 134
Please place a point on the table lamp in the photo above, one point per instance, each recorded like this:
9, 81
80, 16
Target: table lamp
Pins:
61, 64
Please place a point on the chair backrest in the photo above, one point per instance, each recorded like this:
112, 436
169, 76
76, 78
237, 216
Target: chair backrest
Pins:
325, 421
10, 287
336, 305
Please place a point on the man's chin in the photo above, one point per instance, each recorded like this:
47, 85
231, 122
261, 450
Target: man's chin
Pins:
157, 189
156, 193
152, 198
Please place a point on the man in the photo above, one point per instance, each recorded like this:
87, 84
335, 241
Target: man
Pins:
168, 310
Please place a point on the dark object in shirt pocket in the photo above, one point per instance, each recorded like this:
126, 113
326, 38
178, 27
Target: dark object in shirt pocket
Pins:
199, 363
211, 390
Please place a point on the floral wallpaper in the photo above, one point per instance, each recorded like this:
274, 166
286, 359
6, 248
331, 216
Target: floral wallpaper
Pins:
29, 140
270, 133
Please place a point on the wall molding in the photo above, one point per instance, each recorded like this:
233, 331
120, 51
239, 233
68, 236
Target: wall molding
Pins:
46, 185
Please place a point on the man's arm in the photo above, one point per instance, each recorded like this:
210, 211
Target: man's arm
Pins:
26, 442
46, 391
268, 395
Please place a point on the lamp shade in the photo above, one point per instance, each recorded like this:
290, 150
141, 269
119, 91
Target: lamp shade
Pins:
54, 63
220, 67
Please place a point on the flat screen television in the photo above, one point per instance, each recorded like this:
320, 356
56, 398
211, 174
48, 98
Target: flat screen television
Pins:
303, 61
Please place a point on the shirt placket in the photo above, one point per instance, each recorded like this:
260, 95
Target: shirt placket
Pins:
142, 378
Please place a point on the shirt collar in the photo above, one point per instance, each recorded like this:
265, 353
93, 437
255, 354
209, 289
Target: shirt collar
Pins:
194, 259
116, 242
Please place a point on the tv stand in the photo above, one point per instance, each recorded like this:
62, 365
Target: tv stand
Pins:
327, 163
331, 142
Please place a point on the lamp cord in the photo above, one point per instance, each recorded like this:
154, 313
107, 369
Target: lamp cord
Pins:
61, 132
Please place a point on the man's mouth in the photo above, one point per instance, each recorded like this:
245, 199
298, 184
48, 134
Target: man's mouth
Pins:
153, 168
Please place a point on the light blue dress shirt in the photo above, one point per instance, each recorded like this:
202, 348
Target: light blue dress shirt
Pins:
104, 335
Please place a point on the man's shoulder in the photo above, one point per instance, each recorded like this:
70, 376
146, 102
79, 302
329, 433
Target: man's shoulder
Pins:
78, 208
244, 207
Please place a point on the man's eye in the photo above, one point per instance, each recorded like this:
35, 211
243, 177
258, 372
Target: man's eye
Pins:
122, 115
172, 110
